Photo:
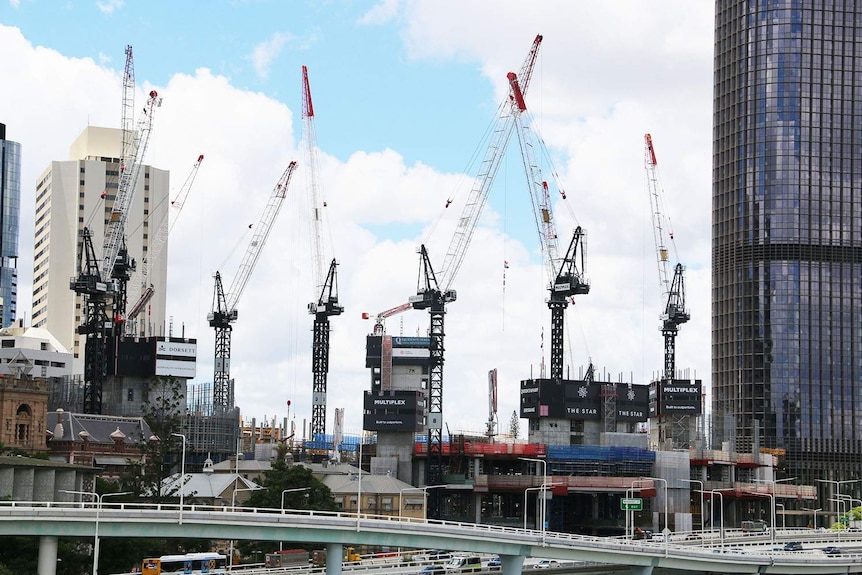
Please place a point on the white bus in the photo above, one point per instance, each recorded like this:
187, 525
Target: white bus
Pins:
188, 564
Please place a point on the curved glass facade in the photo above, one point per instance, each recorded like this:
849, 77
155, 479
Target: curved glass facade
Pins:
10, 208
787, 231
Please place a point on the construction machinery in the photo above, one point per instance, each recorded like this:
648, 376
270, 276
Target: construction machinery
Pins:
105, 284
224, 311
327, 303
673, 287
433, 295
154, 251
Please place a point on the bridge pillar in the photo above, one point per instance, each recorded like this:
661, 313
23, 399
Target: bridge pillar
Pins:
334, 553
641, 570
510, 564
47, 555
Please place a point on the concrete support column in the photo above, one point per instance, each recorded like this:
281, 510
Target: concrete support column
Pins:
641, 570
511, 564
47, 555
477, 508
334, 553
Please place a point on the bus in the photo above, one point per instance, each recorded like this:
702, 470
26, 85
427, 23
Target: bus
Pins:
754, 527
188, 564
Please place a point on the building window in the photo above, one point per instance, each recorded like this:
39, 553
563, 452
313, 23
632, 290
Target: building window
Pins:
8, 343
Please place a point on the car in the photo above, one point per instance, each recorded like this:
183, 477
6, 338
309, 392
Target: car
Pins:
643, 533
439, 555
464, 564
832, 550
494, 563
793, 546
432, 570
547, 564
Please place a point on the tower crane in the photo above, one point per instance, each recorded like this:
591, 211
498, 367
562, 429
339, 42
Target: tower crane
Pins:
155, 249
565, 275
327, 303
224, 311
673, 288
434, 296
101, 284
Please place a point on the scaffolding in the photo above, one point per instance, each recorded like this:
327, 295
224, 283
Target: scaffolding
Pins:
211, 433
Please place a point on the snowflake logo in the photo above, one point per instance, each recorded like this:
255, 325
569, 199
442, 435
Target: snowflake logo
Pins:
631, 395
582, 391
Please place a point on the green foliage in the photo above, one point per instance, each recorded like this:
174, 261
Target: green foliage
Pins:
281, 476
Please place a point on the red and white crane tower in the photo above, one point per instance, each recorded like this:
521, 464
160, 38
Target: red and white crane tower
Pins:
224, 311
433, 295
155, 250
673, 287
101, 284
326, 285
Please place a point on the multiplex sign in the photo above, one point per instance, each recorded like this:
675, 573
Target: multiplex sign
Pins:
676, 397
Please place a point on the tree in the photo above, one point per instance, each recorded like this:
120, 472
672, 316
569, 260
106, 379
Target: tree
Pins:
281, 476
515, 425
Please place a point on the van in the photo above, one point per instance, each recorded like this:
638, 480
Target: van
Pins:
464, 564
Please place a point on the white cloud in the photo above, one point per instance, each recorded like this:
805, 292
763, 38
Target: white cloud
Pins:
607, 73
15, 3
264, 53
381, 13
110, 6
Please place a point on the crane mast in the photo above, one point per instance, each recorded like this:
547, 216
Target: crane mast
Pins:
565, 275
327, 304
224, 311
155, 250
99, 284
672, 286
434, 296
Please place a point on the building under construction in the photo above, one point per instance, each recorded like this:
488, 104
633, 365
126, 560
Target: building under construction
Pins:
212, 431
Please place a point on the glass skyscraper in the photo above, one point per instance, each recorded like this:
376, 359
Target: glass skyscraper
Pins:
10, 209
787, 233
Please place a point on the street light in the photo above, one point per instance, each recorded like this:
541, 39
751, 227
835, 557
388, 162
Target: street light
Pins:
424, 491
772, 496
814, 525
294, 490
182, 475
837, 484
666, 532
713, 493
539, 488
98, 499
544, 492
783, 515
851, 501
841, 506
233, 508
700, 484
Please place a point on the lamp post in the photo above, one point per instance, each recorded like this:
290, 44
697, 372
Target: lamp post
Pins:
700, 484
527, 490
814, 525
783, 515
544, 492
840, 502
666, 532
837, 484
713, 493
233, 508
772, 496
182, 475
283, 491
851, 500
424, 491
98, 499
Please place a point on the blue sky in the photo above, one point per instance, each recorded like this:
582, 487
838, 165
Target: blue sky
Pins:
403, 92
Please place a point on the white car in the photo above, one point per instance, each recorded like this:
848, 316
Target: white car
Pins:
547, 564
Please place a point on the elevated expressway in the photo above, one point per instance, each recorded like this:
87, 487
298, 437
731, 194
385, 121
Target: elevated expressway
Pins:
50, 520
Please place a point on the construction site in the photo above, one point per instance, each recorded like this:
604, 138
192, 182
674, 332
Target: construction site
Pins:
592, 442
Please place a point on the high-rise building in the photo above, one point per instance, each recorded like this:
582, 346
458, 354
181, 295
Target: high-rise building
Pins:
787, 233
10, 208
78, 193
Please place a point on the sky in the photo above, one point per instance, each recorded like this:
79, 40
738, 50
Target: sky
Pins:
403, 91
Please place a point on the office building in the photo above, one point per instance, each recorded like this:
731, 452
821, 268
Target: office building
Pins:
787, 235
78, 193
10, 208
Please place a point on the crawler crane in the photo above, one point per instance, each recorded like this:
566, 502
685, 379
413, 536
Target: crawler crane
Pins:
224, 311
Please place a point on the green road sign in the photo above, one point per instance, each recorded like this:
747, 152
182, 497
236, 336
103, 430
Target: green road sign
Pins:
631, 504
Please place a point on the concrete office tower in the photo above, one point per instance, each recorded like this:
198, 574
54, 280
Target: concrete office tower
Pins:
10, 208
80, 193
787, 234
